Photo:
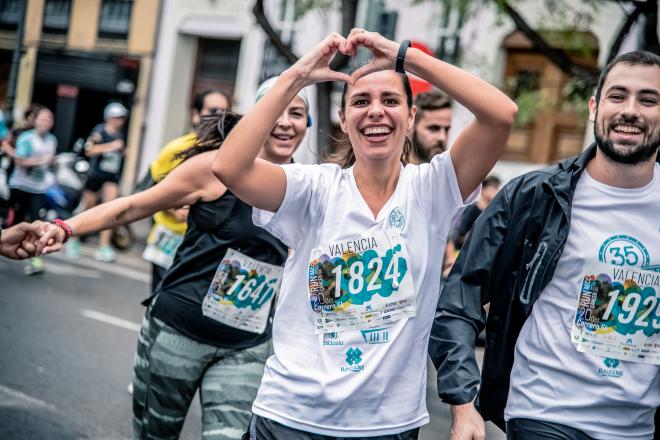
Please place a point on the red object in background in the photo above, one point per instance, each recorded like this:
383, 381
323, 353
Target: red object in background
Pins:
67, 91
419, 85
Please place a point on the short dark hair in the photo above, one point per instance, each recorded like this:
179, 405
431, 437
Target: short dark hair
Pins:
211, 134
635, 58
430, 101
198, 102
491, 180
32, 110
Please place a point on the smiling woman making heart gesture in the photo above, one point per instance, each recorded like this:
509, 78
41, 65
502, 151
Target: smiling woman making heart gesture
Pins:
361, 284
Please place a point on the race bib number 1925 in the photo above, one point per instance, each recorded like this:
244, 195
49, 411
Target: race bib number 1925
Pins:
618, 313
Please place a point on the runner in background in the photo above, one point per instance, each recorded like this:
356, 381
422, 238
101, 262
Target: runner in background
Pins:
430, 133
35, 152
208, 327
105, 148
9, 142
170, 226
361, 284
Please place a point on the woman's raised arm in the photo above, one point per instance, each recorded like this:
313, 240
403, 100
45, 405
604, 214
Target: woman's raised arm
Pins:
257, 182
185, 185
482, 142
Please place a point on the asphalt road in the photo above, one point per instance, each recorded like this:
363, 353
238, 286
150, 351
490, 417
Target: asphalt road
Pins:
67, 339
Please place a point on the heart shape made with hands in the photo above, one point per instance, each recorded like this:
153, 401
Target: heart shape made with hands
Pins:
383, 52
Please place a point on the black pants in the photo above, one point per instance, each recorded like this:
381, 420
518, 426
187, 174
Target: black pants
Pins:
528, 429
27, 206
266, 429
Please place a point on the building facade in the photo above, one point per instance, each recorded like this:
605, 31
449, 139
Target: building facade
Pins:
78, 55
219, 44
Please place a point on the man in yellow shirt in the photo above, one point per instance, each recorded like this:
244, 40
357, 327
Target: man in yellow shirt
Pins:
170, 226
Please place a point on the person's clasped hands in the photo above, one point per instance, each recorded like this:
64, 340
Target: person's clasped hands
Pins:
23, 240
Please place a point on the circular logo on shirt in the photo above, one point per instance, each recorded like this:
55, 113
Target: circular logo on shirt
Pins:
397, 220
624, 250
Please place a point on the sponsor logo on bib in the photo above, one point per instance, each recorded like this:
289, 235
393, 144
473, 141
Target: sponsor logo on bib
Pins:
332, 339
624, 250
353, 361
611, 368
376, 336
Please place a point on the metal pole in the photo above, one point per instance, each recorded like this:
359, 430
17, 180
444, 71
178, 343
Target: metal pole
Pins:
15, 62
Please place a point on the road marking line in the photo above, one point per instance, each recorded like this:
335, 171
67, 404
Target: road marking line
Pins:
113, 268
109, 319
11, 398
61, 269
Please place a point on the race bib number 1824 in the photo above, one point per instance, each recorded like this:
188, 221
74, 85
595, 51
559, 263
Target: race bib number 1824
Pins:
360, 283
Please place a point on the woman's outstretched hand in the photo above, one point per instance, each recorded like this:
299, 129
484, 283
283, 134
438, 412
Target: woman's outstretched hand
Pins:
52, 239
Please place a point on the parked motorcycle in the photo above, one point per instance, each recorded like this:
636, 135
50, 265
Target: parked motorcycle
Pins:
63, 198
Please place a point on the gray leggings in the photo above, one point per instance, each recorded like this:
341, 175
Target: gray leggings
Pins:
528, 429
170, 368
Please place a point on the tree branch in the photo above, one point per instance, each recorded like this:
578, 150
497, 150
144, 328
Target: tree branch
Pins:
273, 36
348, 14
324, 89
623, 32
557, 56
651, 41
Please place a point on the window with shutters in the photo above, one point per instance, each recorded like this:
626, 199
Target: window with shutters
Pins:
552, 106
115, 19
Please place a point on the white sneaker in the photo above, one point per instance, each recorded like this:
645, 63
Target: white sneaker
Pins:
105, 254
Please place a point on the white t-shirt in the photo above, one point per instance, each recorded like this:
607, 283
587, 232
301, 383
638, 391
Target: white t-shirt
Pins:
604, 396
370, 381
36, 179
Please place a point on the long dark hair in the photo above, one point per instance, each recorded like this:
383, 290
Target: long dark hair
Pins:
211, 133
345, 156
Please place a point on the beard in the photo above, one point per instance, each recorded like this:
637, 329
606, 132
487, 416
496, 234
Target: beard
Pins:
426, 154
632, 153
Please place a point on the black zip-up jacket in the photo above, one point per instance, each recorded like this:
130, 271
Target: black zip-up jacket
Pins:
509, 257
